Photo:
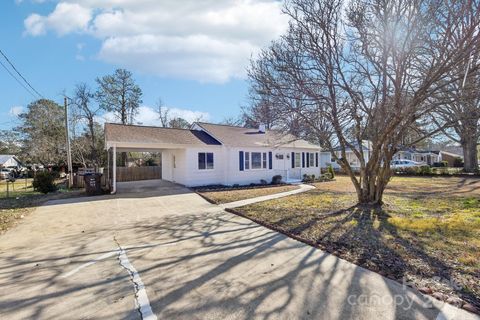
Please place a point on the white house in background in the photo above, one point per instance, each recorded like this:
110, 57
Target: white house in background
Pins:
9, 161
209, 154
423, 156
350, 156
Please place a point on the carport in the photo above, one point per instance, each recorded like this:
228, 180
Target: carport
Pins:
171, 143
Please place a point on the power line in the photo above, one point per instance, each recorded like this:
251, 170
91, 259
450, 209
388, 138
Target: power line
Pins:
16, 79
18, 72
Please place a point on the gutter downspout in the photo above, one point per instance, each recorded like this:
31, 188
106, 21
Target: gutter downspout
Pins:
114, 169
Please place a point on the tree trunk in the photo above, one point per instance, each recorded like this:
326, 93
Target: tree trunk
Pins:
93, 147
469, 145
372, 186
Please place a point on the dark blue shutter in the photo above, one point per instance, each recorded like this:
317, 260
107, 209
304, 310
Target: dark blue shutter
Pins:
303, 159
240, 160
316, 159
270, 164
293, 159
308, 159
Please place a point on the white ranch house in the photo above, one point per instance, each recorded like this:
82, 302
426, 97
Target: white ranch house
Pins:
211, 154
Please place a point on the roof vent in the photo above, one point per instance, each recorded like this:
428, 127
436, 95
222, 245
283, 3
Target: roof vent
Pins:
261, 128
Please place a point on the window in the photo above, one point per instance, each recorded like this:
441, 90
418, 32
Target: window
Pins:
311, 159
205, 160
255, 160
298, 160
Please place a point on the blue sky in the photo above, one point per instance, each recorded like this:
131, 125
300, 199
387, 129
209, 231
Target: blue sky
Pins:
191, 54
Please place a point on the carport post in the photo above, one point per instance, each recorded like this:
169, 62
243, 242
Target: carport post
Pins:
114, 169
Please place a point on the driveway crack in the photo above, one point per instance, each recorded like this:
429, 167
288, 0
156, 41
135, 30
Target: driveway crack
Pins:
141, 298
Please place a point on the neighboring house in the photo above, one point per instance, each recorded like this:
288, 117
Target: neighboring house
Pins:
9, 161
423, 156
209, 154
350, 156
450, 157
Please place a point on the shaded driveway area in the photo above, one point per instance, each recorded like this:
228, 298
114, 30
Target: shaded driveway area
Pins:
161, 251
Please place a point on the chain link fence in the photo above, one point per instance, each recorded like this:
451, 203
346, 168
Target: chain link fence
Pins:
16, 188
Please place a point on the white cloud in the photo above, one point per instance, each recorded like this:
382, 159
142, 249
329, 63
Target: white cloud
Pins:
149, 117
16, 110
66, 18
207, 41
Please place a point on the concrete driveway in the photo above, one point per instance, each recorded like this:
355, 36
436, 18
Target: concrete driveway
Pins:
164, 252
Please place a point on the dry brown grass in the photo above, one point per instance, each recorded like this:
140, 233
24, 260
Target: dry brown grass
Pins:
428, 229
223, 196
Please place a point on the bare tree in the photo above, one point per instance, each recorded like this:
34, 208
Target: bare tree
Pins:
86, 111
369, 69
163, 113
461, 114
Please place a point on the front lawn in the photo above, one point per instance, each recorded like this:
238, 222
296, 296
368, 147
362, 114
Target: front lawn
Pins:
18, 206
427, 233
225, 196
21, 187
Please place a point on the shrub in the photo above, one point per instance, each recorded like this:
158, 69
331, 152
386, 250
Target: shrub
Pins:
458, 162
441, 164
277, 179
424, 170
331, 172
44, 182
307, 178
264, 182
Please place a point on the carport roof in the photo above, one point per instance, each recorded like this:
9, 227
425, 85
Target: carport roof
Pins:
121, 133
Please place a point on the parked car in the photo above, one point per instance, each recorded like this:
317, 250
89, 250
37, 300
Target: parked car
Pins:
404, 163
5, 174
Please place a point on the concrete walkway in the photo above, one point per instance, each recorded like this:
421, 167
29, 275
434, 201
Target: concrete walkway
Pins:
240, 203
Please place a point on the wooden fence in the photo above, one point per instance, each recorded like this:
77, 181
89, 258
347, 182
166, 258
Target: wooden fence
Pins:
125, 174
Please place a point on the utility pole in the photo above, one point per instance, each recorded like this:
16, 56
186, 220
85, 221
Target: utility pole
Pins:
69, 151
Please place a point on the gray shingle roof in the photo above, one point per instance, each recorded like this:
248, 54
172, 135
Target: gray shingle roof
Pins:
247, 137
144, 134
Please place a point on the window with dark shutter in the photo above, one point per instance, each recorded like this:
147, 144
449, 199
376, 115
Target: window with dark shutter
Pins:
240, 160
270, 160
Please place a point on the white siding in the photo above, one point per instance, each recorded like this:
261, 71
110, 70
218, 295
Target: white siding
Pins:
226, 169
235, 176
174, 172
202, 177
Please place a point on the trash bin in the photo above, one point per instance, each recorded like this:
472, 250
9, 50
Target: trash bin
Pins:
93, 185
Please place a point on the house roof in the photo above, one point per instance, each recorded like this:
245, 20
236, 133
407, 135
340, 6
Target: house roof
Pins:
234, 136
356, 145
451, 154
422, 151
5, 157
156, 135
